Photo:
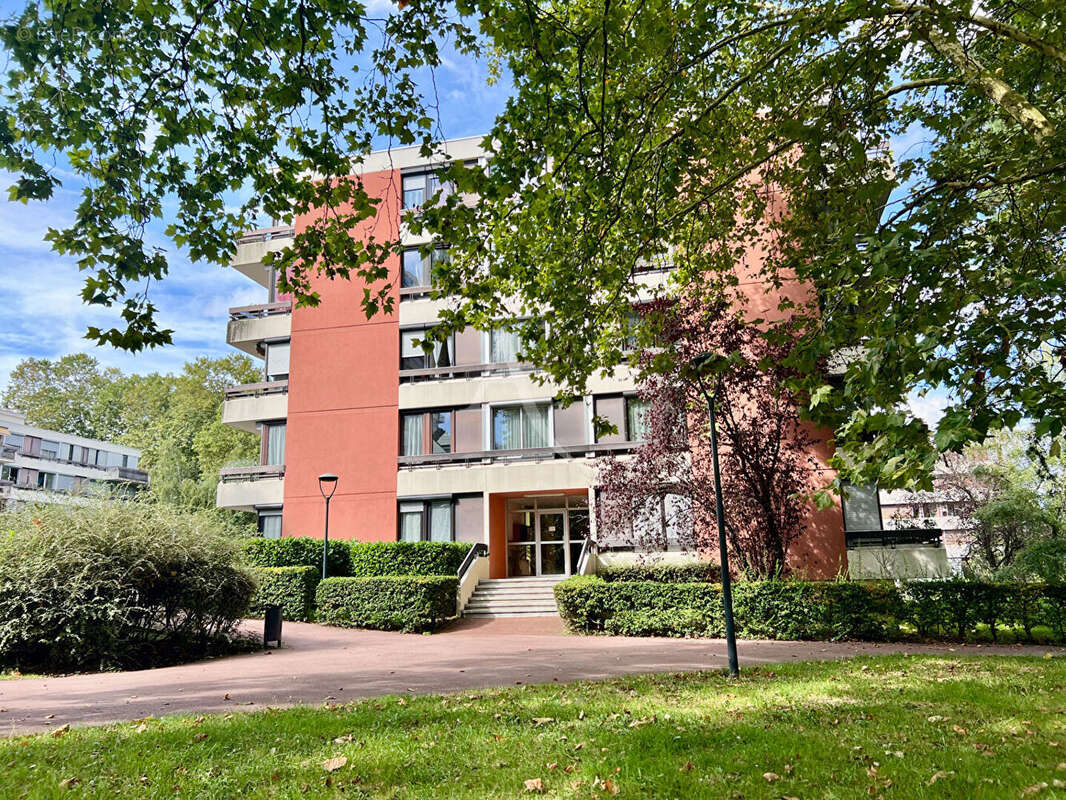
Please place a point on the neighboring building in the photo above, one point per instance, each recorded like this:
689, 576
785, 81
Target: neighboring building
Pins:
41, 465
942, 510
457, 444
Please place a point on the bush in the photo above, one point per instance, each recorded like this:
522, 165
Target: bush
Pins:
685, 572
775, 609
291, 588
106, 585
296, 551
389, 603
370, 559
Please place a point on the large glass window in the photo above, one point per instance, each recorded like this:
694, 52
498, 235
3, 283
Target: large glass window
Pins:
862, 508
50, 449
270, 524
520, 427
46, 480
411, 434
15, 440
440, 431
412, 356
418, 269
275, 445
426, 520
277, 361
9, 473
419, 188
636, 419
504, 346
414, 428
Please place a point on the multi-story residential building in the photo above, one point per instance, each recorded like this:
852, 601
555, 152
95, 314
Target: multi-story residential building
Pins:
456, 444
39, 465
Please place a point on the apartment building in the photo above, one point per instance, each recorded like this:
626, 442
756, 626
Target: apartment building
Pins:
456, 444
39, 465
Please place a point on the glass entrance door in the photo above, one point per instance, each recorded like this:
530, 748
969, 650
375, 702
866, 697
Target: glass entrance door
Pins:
551, 543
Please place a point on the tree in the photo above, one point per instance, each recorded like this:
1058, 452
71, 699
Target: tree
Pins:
767, 472
676, 133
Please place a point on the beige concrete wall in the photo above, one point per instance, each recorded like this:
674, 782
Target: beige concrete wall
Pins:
625, 559
244, 412
903, 562
518, 477
478, 571
246, 495
245, 334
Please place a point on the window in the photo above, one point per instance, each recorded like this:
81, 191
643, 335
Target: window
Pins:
520, 427
50, 449
269, 524
277, 361
418, 269
425, 432
9, 473
275, 445
420, 187
636, 419
504, 346
15, 440
412, 356
63, 483
426, 520
46, 480
862, 508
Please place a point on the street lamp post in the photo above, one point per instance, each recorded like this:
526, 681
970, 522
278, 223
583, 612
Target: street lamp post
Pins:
700, 364
326, 481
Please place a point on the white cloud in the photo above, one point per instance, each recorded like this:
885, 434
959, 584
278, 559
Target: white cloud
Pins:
930, 406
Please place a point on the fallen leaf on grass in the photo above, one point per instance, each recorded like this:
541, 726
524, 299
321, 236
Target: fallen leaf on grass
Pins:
200, 737
60, 730
69, 783
935, 777
688, 766
534, 785
1036, 788
770, 777
543, 720
334, 764
610, 786
142, 727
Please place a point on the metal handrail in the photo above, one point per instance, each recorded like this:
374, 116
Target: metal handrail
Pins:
932, 537
479, 550
266, 234
565, 451
587, 549
461, 370
227, 474
260, 310
256, 389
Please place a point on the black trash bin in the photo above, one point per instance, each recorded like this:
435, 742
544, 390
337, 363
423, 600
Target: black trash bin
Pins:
272, 626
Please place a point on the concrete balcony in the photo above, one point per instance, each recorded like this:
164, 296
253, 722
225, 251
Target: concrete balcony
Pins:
248, 488
250, 325
246, 405
253, 245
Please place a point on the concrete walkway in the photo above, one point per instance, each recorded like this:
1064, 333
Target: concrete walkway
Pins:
333, 665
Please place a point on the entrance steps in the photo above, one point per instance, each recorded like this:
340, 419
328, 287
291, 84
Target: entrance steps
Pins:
514, 597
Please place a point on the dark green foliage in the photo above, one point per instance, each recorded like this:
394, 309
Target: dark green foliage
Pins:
868, 610
391, 602
297, 551
407, 558
686, 572
108, 585
291, 588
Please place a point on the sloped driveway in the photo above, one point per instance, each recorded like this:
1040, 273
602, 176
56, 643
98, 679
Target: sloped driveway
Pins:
332, 665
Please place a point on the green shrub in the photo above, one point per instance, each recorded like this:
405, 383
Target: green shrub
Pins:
388, 602
370, 559
297, 551
291, 588
684, 572
775, 609
104, 585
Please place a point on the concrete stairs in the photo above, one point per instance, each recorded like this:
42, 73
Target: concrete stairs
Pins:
513, 597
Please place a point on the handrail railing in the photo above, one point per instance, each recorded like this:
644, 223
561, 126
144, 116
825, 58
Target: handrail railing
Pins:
463, 370
260, 310
587, 550
566, 451
931, 537
266, 234
256, 389
479, 550
228, 474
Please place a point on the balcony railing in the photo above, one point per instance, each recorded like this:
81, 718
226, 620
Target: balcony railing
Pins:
260, 311
247, 474
266, 234
256, 389
463, 371
8, 451
532, 454
928, 537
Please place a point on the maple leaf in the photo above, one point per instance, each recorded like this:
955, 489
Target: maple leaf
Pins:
534, 785
334, 764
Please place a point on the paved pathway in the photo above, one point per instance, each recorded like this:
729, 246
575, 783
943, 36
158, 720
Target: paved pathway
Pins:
320, 664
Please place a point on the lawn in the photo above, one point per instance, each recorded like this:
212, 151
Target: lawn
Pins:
897, 727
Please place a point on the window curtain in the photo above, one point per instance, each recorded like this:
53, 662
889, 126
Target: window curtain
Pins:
443, 353
636, 409
440, 521
506, 428
504, 346
410, 522
535, 426
412, 434
413, 269
275, 445
270, 526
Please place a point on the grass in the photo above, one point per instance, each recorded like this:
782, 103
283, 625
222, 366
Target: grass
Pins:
897, 727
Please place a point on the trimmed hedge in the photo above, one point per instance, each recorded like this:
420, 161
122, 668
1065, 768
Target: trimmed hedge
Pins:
291, 588
684, 572
388, 602
876, 611
297, 551
369, 559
